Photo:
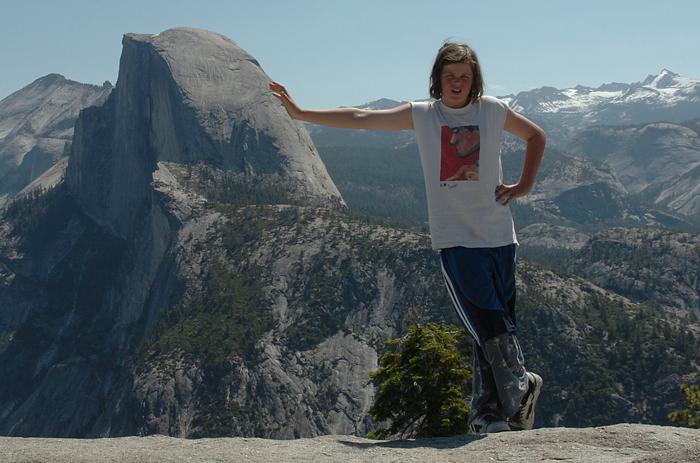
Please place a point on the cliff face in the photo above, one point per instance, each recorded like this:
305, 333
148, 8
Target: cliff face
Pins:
287, 319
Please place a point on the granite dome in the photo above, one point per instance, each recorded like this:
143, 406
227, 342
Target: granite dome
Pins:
189, 96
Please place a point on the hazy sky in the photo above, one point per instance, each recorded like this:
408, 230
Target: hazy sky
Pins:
332, 53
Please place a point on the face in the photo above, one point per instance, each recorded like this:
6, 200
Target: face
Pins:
456, 80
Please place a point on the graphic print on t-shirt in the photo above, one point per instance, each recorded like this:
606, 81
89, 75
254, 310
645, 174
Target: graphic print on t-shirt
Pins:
459, 153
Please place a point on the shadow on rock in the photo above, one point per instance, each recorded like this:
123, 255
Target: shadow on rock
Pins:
435, 442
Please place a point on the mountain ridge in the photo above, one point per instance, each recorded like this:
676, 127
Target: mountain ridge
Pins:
562, 112
665, 79
36, 127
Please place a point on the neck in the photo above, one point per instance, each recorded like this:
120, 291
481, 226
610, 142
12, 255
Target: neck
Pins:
454, 105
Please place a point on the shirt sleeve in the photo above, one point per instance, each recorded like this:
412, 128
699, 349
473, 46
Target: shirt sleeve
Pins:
419, 112
497, 110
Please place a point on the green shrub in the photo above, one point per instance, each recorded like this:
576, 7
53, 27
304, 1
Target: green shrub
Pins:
690, 417
423, 381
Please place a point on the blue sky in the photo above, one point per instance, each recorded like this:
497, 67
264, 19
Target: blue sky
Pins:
332, 53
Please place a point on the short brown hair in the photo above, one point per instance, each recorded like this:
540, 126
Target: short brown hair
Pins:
456, 52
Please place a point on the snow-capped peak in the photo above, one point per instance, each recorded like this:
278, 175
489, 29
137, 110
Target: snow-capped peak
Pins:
665, 96
664, 79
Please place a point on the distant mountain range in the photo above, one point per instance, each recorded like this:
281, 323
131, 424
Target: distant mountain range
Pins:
665, 90
644, 137
37, 121
666, 97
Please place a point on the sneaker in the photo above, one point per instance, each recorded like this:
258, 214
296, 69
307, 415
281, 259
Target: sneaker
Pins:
525, 417
487, 423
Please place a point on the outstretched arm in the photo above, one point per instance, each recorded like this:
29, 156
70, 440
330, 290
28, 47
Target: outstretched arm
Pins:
535, 137
398, 118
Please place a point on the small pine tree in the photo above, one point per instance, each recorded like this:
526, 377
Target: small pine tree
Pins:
423, 381
690, 417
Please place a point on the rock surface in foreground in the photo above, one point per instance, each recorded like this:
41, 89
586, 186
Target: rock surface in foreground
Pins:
619, 444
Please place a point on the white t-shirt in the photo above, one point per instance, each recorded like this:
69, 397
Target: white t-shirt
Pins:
460, 151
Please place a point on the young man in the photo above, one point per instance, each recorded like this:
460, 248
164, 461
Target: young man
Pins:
459, 138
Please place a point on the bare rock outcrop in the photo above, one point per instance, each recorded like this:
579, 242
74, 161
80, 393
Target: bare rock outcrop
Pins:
622, 443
